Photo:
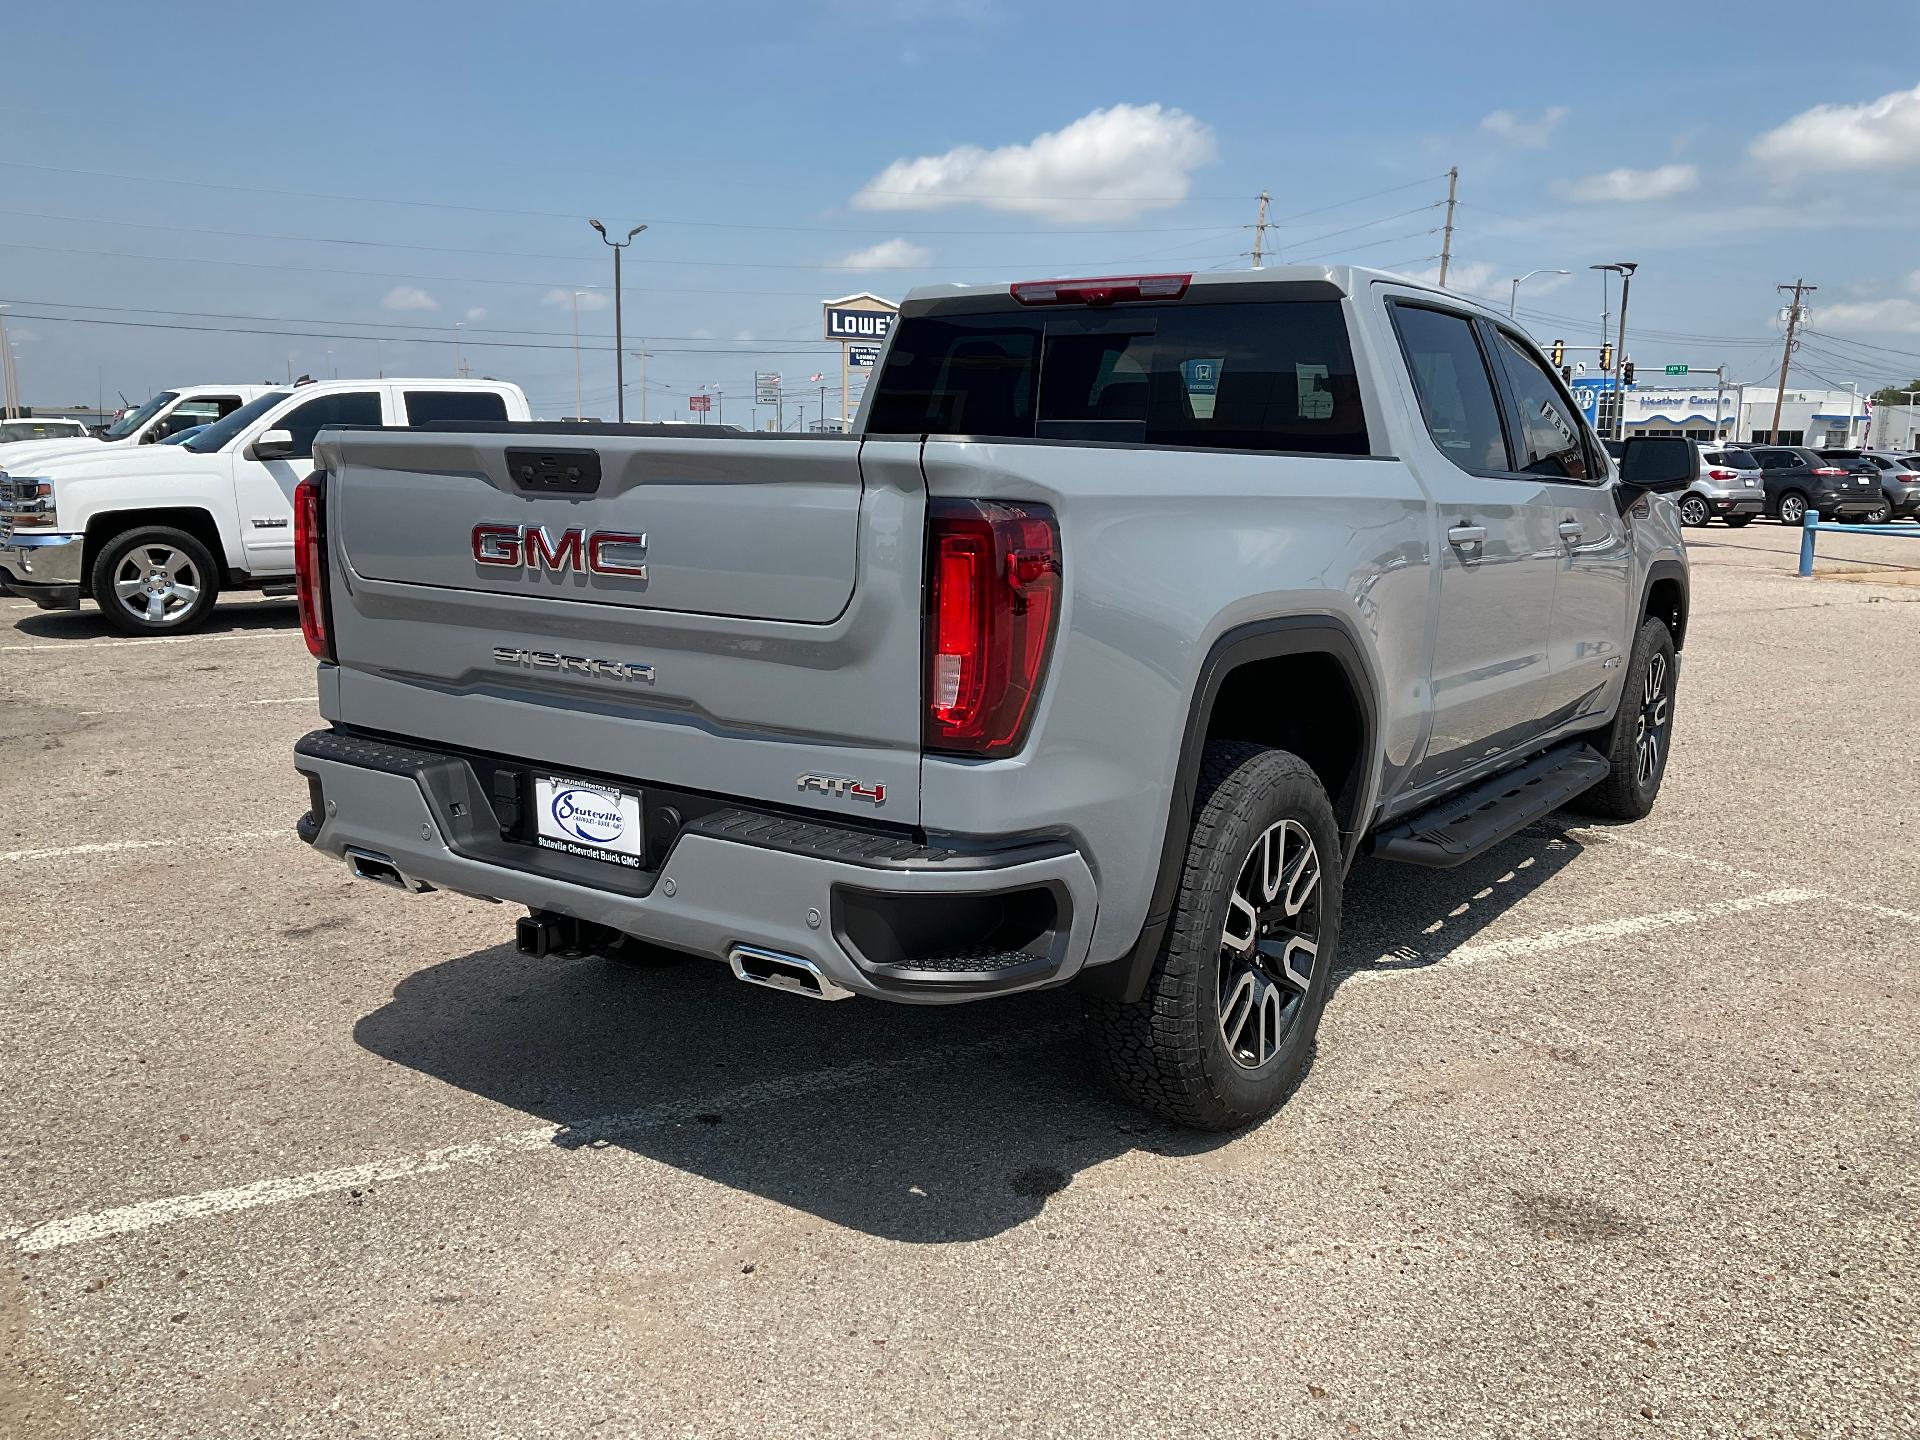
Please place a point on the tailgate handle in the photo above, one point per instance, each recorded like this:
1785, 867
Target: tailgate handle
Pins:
555, 472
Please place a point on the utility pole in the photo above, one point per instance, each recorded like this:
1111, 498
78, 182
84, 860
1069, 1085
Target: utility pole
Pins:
1260, 231
1446, 235
1799, 288
9, 385
641, 355
459, 362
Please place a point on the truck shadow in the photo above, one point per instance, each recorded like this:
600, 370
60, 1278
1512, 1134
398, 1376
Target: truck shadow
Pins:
88, 623
920, 1125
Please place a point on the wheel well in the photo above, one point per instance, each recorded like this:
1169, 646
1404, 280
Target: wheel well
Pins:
1667, 600
102, 529
1304, 704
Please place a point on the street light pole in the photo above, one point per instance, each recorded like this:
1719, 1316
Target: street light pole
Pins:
1624, 269
619, 351
1513, 298
576, 354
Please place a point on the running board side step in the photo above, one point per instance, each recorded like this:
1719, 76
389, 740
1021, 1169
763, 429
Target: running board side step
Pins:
1481, 816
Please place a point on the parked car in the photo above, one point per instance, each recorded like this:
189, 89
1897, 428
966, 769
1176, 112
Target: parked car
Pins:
1729, 488
984, 697
167, 413
154, 533
31, 427
1797, 478
1899, 482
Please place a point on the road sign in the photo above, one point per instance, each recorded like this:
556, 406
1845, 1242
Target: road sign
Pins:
1678, 369
863, 357
766, 387
699, 404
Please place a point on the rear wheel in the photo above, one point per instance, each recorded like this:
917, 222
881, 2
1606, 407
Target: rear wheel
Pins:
1642, 730
1693, 511
1793, 508
1879, 516
154, 581
1226, 1026
1736, 521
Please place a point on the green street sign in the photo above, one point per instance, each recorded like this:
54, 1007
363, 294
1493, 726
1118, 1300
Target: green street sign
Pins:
1677, 369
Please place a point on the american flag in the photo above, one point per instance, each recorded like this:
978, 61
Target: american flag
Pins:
816, 377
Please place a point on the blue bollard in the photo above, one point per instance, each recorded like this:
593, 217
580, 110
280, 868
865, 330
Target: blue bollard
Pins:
1809, 527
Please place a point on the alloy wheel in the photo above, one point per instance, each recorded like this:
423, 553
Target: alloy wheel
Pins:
1693, 510
1270, 943
1793, 509
1656, 717
157, 584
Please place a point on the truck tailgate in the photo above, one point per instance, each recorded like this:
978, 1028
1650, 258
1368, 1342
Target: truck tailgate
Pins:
717, 614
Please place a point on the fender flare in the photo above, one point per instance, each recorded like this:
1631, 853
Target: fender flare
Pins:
1668, 568
1313, 634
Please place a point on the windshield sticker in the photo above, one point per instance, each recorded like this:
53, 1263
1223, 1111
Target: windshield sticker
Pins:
1316, 395
1202, 379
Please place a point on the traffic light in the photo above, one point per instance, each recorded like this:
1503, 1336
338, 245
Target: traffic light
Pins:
1626, 372
1606, 357
1566, 373
1559, 354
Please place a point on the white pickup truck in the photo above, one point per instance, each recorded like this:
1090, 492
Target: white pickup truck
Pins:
164, 416
155, 533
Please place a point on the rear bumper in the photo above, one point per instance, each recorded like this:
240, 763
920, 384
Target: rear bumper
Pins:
877, 913
43, 568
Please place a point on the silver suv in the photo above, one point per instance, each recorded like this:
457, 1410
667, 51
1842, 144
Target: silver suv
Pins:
1729, 488
1131, 612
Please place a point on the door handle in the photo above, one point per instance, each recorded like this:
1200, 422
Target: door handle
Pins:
1465, 535
1571, 529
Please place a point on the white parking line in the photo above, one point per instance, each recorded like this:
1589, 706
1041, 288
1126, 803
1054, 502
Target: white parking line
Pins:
207, 705
152, 640
127, 1219
280, 1190
111, 847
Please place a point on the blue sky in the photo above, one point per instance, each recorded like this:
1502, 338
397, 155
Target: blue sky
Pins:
782, 154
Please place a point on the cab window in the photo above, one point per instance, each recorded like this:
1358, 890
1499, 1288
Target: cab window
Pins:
1552, 435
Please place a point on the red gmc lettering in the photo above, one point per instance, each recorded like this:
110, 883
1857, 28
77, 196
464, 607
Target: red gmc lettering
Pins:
496, 544
605, 552
540, 549
600, 563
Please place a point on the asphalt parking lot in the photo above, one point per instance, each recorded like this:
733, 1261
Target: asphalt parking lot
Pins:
1612, 1132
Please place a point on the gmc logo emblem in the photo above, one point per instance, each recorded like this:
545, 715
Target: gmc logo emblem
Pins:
531, 547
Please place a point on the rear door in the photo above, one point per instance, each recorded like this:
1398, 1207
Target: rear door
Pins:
738, 616
1498, 546
1587, 639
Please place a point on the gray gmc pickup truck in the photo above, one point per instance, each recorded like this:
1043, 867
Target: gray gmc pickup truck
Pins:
1131, 613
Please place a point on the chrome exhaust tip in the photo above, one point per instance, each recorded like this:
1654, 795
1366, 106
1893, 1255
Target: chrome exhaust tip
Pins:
790, 973
380, 869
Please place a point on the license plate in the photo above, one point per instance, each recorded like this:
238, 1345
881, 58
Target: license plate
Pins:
577, 818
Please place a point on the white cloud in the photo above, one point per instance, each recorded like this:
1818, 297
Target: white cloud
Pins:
1522, 133
409, 297
1897, 316
589, 299
1110, 163
478, 312
745, 335
1629, 185
896, 254
1847, 137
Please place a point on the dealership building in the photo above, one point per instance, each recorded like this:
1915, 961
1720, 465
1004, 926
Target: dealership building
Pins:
1732, 412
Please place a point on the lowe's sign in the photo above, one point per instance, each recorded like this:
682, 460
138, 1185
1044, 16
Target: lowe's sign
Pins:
858, 324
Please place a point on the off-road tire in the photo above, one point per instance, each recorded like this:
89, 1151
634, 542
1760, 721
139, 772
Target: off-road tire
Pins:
1166, 1051
122, 553
1625, 794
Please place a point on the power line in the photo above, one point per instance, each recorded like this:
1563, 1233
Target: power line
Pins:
393, 340
1841, 339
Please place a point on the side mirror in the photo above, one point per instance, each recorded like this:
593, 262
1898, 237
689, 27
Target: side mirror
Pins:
1659, 462
273, 445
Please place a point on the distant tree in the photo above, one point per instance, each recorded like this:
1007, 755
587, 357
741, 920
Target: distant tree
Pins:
1896, 394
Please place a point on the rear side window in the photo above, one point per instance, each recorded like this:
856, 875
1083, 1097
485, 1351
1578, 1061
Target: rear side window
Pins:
1456, 391
1274, 376
426, 406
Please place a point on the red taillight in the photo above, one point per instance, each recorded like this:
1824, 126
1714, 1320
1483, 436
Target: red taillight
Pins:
310, 563
1723, 474
1101, 291
1829, 470
993, 593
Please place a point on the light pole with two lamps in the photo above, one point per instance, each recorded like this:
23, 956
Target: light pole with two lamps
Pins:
619, 355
